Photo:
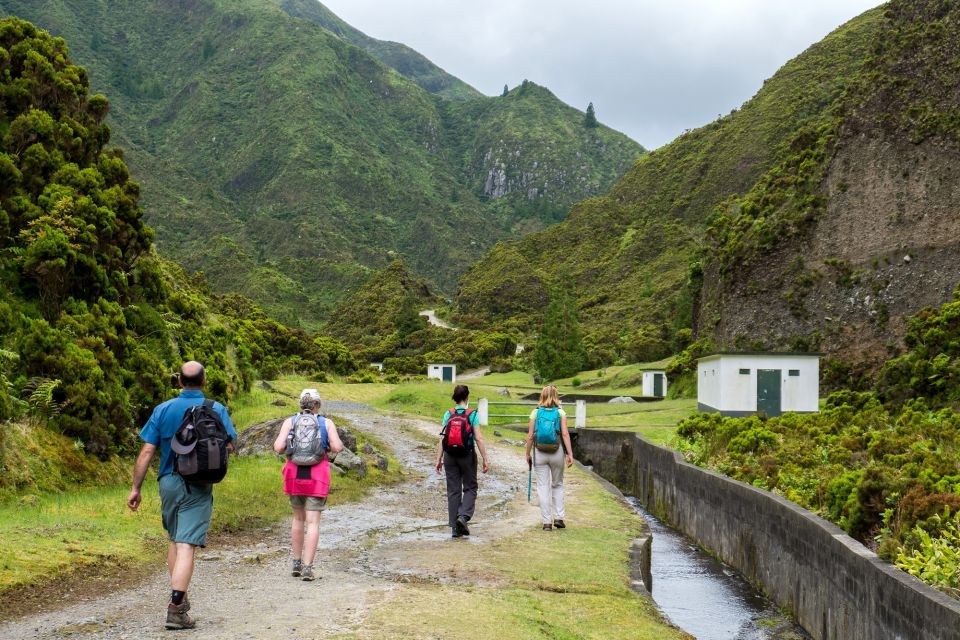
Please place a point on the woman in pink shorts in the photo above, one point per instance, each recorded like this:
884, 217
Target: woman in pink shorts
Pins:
306, 438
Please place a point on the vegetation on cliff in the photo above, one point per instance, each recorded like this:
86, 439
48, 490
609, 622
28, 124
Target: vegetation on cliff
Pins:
633, 255
92, 321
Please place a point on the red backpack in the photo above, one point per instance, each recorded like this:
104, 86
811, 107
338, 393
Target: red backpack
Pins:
458, 434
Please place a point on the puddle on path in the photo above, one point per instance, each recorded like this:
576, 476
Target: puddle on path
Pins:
705, 597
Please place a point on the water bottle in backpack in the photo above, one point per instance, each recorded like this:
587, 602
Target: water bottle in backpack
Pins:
307, 442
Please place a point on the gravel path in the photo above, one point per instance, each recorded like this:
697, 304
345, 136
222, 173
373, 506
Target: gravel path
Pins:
368, 552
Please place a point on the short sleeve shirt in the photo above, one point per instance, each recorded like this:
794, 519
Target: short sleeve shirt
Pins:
533, 414
474, 416
166, 419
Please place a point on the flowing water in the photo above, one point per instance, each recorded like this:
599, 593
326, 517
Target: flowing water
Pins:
705, 597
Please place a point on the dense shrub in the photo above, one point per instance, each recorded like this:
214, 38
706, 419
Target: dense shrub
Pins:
87, 305
876, 472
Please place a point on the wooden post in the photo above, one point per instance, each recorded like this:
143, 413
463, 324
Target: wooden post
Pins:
581, 420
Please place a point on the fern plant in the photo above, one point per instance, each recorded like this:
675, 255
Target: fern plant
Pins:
936, 560
41, 405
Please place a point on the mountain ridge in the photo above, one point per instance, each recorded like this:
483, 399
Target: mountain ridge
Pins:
288, 164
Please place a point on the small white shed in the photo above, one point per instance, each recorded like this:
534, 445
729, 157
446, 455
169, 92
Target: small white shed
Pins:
742, 384
444, 372
654, 383
376, 365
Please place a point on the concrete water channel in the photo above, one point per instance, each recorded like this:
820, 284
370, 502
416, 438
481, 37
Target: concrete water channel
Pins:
705, 597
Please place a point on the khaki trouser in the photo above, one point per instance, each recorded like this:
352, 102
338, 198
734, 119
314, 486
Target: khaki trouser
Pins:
549, 469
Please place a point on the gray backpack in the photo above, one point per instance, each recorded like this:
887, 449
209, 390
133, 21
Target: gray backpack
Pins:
307, 440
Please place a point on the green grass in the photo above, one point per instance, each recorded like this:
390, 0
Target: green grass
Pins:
563, 586
655, 421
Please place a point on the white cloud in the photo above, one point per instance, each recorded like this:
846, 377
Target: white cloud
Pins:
651, 68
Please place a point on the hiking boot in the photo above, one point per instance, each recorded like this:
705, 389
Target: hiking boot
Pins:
307, 573
456, 532
462, 525
186, 603
297, 568
177, 617
548, 527
559, 524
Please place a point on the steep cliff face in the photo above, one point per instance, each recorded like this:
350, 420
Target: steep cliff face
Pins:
884, 240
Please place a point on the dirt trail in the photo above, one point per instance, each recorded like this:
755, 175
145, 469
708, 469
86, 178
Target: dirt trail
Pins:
368, 552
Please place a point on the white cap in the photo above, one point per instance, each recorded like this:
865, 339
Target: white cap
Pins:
311, 394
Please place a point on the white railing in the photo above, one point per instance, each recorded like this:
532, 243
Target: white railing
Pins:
484, 406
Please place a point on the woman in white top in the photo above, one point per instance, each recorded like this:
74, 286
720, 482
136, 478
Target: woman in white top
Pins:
547, 431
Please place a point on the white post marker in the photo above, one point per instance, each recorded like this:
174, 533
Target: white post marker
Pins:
581, 420
484, 409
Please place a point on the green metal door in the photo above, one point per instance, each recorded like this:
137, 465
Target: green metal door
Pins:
768, 392
658, 385
448, 374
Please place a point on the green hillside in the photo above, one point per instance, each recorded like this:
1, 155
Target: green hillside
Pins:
286, 162
408, 62
633, 254
92, 322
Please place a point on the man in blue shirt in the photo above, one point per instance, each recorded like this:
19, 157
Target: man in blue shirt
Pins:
186, 509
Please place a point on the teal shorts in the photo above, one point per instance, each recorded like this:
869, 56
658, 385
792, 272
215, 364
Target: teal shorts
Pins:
186, 511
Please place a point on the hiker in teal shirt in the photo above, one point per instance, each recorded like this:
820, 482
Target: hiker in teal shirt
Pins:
185, 509
460, 465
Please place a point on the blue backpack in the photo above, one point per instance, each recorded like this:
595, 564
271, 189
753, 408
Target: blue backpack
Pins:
546, 429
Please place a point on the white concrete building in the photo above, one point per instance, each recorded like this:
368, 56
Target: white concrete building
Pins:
444, 372
741, 384
655, 383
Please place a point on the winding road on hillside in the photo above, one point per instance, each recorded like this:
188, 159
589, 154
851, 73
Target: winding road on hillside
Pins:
371, 553
431, 316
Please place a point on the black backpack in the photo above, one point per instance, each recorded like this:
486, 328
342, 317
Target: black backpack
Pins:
200, 445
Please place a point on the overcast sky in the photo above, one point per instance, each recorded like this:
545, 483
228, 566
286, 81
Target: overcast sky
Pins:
652, 68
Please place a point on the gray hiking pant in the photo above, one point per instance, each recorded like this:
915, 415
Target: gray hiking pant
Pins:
461, 485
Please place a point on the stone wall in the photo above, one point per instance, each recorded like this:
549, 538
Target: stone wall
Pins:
835, 587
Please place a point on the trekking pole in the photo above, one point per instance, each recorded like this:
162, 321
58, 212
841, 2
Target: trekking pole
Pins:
529, 477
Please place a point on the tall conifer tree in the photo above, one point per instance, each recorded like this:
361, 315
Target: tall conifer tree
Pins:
559, 351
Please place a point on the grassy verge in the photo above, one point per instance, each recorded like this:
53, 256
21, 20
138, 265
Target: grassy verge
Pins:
62, 530
655, 421
61, 534
564, 584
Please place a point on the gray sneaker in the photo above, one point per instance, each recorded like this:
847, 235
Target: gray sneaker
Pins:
307, 573
297, 568
177, 617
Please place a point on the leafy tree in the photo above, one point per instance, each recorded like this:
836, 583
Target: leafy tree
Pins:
559, 352
590, 118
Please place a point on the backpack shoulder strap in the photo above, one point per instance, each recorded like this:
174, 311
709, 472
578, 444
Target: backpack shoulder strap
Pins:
324, 438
